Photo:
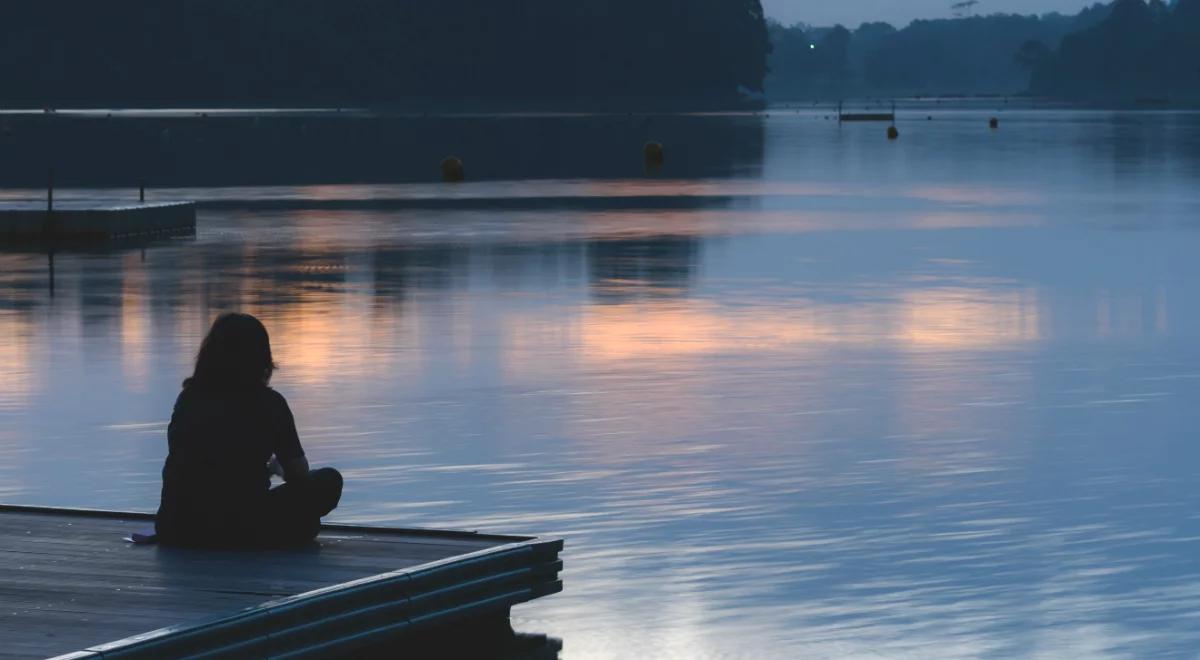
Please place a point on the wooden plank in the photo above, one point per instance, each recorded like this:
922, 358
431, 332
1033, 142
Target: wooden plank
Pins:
69, 571
68, 582
147, 520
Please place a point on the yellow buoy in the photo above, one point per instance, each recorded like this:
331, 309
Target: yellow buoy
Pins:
653, 154
893, 133
452, 170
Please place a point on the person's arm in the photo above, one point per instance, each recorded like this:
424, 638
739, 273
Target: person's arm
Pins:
288, 451
295, 468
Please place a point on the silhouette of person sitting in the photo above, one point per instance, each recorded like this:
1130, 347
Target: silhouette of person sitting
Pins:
229, 432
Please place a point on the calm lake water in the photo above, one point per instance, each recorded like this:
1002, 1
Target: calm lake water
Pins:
804, 393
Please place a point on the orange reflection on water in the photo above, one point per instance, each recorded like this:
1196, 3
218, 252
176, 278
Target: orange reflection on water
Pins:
662, 378
135, 324
947, 319
657, 329
967, 318
318, 336
18, 377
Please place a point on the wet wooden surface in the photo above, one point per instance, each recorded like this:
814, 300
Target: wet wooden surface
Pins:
70, 582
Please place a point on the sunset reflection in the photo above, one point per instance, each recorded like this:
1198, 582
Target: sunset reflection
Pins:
316, 342
18, 359
943, 319
962, 318
135, 324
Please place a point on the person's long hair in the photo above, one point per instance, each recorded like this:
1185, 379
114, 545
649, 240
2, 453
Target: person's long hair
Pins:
236, 354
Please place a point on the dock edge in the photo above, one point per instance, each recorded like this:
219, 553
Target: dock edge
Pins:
354, 615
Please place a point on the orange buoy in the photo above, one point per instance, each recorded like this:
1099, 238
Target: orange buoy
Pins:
452, 170
653, 154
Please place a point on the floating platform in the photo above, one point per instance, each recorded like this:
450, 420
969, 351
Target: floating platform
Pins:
867, 116
84, 221
71, 586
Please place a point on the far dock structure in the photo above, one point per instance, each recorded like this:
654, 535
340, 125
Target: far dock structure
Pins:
81, 221
72, 587
866, 116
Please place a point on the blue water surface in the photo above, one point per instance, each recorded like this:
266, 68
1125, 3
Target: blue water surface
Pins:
833, 396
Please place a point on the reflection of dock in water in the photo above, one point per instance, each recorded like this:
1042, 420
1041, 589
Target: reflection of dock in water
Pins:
71, 585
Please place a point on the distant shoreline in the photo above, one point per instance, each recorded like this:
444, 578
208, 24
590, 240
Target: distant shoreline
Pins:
585, 106
903, 103
1016, 101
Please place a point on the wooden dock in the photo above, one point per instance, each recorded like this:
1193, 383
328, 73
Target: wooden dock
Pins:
71, 586
93, 221
844, 116
867, 116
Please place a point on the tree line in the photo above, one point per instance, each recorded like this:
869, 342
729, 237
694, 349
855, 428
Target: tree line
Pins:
1142, 52
1121, 52
975, 55
433, 53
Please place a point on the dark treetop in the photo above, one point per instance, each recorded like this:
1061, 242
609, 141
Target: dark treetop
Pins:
1115, 53
975, 55
1142, 51
437, 53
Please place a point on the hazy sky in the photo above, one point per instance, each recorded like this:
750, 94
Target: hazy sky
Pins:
899, 12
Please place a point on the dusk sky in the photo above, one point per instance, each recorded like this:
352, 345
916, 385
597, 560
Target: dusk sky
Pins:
900, 12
